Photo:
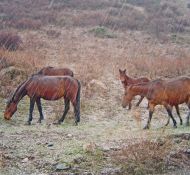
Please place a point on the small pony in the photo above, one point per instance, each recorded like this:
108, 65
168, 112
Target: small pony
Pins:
159, 92
127, 81
49, 88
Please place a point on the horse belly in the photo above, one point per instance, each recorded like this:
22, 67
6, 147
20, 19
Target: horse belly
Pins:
175, 100
53, 95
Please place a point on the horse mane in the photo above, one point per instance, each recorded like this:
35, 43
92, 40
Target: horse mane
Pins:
41, 71
11, 99
13, 95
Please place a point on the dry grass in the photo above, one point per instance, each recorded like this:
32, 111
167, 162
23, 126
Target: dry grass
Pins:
16, 67
145, 157
25, 23
10, 41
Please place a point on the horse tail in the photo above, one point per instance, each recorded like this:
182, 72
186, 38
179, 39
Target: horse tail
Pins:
78, 100
72, 74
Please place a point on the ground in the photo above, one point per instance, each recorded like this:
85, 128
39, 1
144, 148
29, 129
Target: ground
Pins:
38, 148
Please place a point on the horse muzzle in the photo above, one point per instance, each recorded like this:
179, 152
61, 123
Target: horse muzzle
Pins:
7, 116
124, 105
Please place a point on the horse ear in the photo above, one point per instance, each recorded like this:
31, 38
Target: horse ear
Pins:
120, 71
124, 71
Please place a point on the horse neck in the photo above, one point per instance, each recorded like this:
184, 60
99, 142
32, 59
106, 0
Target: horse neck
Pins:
140, 89
20, 92
128, 79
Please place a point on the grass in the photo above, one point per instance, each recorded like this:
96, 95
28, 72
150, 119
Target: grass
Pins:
69, 149
102, 32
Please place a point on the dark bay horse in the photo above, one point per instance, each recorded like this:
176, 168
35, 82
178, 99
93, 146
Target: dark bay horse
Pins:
159, 92
52, 71
127, 81
48, 88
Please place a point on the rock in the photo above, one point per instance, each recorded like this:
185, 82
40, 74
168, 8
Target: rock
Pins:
89, 147
11, 72
87, 173
111, 171
50, 144
78, 160
96, 86
106, 148
25, 160
69, 135
187, 151
62, 166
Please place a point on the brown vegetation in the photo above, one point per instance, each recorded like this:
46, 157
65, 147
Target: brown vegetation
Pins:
10, 41
16, 67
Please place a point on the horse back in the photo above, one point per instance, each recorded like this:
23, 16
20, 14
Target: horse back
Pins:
173, 92
51, 71
52, 87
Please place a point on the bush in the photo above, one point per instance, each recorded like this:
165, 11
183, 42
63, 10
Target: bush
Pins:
102, 32
53, 33
10, 41
25, 23
145, 157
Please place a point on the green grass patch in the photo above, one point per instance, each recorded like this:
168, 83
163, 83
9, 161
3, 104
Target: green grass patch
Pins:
102, 32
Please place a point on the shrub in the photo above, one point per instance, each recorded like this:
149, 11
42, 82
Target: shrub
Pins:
53, 33
145, 157
102, 32
25, 23
16, 67
10, 41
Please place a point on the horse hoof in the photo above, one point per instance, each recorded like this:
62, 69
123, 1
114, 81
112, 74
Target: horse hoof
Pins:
28, 123
146, 127
76, 123
59, 122
175, 126
55, 123
187, 124
39, 121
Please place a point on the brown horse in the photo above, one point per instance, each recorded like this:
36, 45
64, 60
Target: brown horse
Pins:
159, 92
127, 81
52, 71
48, 88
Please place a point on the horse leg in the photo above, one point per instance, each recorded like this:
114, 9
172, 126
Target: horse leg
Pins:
130, 105
67, 107
177, 110
39, 105
32, 102
168, 121
140, 101
76, 106
151, 111
169, 111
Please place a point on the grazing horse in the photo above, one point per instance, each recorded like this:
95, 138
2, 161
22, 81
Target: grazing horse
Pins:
52, 71
159, 92
49, 88
127, 81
